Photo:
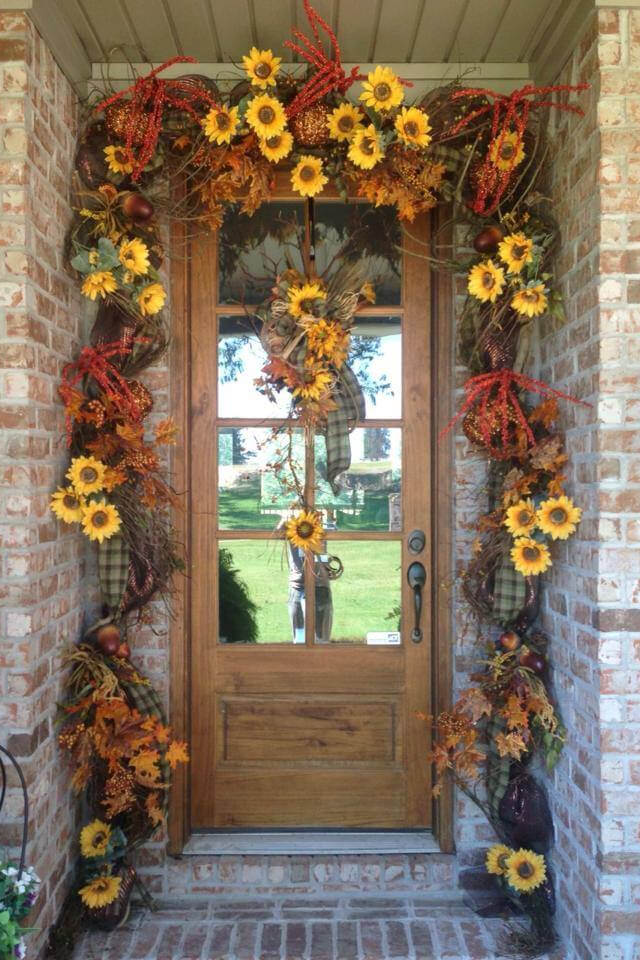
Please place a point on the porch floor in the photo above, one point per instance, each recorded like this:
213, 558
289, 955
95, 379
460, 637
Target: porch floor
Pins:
328, 928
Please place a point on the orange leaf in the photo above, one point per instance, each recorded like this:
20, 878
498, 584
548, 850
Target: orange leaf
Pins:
510, 745
145, 765
177, 753
166, 431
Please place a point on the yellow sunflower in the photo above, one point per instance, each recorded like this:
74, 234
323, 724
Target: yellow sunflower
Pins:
86, 475
344, 121
507, 151
413, 127
307, 176
530, 301
134, 257
516, 250
365, 150
117, 159
93, 256
220, 124
305, 530
496, 859
486, 281
99, 283
100, 892
301, 298
526, 870
261, 67
67, 505
559, 517
151, 299
100, 520
277, 147
530, 557
265, 115
315, 384
521, 519
322, 337
382, 90
94, 839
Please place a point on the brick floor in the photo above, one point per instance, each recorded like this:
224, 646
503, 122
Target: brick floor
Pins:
331, 928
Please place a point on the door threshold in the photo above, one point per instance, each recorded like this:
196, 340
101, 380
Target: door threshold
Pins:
310, 842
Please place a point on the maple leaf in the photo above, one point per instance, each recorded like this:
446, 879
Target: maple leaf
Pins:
555, 487
114, 477
510, 745
166, 431
514, 713
131, 433
154, 811
145, 765
548, 455
545, 413
475, 703
177, 753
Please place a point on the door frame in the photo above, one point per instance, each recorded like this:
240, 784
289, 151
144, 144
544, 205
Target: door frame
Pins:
442, 476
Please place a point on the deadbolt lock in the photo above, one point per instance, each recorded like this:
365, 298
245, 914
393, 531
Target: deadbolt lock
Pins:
416, 541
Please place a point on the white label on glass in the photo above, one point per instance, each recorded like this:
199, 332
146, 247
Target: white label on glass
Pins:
379, 637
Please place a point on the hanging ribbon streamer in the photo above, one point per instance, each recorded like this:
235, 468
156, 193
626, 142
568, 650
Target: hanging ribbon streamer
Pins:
147, 99
95, 362
509, 114
499, 387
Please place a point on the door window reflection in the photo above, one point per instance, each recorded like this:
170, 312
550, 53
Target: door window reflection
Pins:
253, 599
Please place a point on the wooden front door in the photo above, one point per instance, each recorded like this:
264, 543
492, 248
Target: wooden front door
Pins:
314, 723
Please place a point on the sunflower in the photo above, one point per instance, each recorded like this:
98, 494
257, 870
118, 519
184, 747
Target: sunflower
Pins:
521, 519
506, 151
86, 475
301, 298
344, 121
530, 301
67, 505
516, 250
314, 385
305, 531
117, 159
559, 517
99, 283
307, 176
322, 337
530, 557
134, 257
526, 870
265, 115
220, 124
151, 299
496, 859
94, 839
100, 892
365, 150
413, 127
382, 89
486, 281
277, 147
261, 67
100, 520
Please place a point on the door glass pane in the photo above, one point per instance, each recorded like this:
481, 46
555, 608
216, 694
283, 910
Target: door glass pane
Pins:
370, 491
257, 473
363, 604
254, 595
240, 362
251, 250
361, 232
376, 359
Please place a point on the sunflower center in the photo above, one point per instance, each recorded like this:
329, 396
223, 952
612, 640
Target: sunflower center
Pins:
411, 128
530, 295
99, 839
525, 870
488, 281
368, 146
307, 173
119, 156
101, 884
70, 501
223, 120
273, 142
305, 529
266, 114
262, 69
88, 475
382, 91
524, 518
531, 553
507, 150
345, 124
558, 515
502, 861
518, 252
99, 518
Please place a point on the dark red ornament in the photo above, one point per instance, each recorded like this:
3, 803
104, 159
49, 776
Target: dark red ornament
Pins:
137, 207
533, 661
509, 641
108, 639
488, 239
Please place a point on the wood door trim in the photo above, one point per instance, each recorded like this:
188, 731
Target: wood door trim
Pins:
442, 477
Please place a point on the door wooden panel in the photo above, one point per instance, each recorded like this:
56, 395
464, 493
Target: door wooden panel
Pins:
309, 734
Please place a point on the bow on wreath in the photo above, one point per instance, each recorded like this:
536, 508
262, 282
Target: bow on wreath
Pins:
510, 114
95, 362
148, 97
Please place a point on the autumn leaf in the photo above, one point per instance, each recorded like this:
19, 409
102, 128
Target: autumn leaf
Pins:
154, 811
474, 702
177, 753
510, 745
514, 713
545, 413
145, 765
131, 433
166, 431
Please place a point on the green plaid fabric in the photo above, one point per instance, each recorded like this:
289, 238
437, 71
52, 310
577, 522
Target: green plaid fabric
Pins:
145, 699
113, 570
350, 408
498, 768
509, 592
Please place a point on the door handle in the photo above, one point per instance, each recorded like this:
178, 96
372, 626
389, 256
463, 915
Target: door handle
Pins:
416, 578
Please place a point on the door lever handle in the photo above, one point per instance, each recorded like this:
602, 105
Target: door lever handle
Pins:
416, 578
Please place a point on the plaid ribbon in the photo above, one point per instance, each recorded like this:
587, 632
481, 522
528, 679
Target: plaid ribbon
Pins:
113, 569
146, 700
350, 407
509, 591
498, 768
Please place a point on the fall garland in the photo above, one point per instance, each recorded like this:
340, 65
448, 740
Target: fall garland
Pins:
481, 150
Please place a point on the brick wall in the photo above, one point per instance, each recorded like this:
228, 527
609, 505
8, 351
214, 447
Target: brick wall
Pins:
42, 564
